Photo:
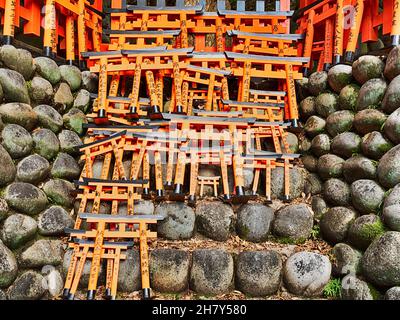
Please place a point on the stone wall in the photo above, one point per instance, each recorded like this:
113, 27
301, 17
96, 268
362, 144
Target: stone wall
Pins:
41, 115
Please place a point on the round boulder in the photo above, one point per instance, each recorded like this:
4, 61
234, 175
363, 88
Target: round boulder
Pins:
14, 86
380, 263
40, 90
391, 217
392, 127
336, 192
348, 97
393, 294
369, 120
17, 141
48, 69
25, 197
307, 107
17, 230
179, 220
364, 230
319, 207
346, 144
53, 221
49, 118
306, 273
59, 192
296, 177
63, 98
65, 167
339, 76
310, 162
41, 253
317, 82
90, 81
367, 196
389, 168
392, 68
19, 60
254, 222
314, 125
345, 260
371, 94
33, 169
312, 184
74, 120
374, 145
28, 286
82, 100
8, 266
46, 143
367, 67
212, 271
7, 168
326, 104
359, 167
169, 270
293, 222
339, 122
335, 224
330, 166
356, 289
258, 273
391, 100
71, 75
214, 220
320, 145
392, 197
19, 113
129, 276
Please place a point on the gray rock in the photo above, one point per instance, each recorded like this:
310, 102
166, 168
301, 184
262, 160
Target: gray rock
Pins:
65, 167
3, 295
90, 81
19, 60
293, 146
123, 277
306, 273
69, 142
391, 100
293, 222
380, 263
59, 192
326, 104
348, 97
28, 286
310, 162
391, 217
389, 168
129, 277
74, 120
320, 145
307, 107
8, 266
179, 220
53, 221
369, 120
296, 182
42, 253
82, 100
313, 184
356, 289
7, 168
330, 166
345, 260
359, 167
367, 196
17, 230
17, 141
33, 169
71, 75
19, 113
392, 197
63, 98
54, 281
339, 76
214, 220
169, 270
25, 197
258, 273
392, 68
14, 86
46, 143
254, 222
374, 145
319, 207
47, 69
371, 94
212, 271
40, 90
367, 67
302, 88
3, 209
392, 127
304, 144
317, 83
393, 294
346, 144
339, 122
337, 192
364, 230
49, 118
314, 125
335, 224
